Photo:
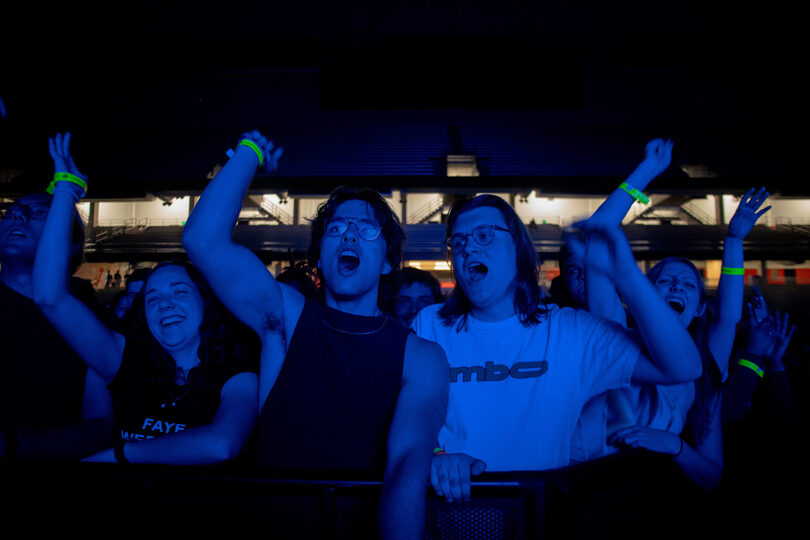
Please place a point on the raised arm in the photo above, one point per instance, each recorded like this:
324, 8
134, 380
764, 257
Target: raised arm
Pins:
730, 287
673, 357
657, 157
100, 347
600, 293
237, 276
420, 412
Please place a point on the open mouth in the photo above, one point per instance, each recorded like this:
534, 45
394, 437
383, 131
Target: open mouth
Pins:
348, 261
677, 305
477, 271
171, 321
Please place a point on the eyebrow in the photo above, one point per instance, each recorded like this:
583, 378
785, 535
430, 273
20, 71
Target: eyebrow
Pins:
172, 284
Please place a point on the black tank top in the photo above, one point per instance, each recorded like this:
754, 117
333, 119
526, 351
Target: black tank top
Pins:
334, 398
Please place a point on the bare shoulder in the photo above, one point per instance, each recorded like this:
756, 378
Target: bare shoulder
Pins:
424, 357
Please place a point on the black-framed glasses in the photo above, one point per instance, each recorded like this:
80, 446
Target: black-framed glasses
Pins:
366, 229
30, 211
483, 235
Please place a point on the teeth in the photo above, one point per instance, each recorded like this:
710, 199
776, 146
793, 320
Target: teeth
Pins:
171, 320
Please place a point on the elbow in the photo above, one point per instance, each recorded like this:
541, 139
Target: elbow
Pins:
45, 299
225, 449
193, 239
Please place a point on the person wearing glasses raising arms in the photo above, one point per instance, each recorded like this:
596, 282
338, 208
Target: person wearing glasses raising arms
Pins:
51, 405
342, 387
520, 371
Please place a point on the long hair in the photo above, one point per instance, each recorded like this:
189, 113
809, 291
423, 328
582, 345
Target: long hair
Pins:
708, 384
222, 336
392, 232
526, 283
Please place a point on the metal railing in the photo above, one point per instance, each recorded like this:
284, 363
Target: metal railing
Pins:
427, 211
691, 208
276, 212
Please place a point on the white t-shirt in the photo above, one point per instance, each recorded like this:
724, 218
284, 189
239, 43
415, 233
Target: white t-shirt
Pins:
516, 392
661, 407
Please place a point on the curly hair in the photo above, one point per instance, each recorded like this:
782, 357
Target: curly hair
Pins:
528, 306
222, 336
392, 231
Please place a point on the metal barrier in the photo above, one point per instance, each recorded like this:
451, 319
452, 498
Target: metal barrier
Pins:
53, 499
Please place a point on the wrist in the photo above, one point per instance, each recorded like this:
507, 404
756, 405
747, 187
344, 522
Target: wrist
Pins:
680, 448
118, 452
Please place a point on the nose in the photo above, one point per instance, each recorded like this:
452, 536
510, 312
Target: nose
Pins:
469, 245
350, 234
18, 214
165, 303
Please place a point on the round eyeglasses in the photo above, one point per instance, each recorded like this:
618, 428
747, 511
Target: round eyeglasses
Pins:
483, 235
30, 211
338, 226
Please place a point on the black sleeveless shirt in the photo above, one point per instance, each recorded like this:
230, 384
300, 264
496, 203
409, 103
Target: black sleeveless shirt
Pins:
334, 398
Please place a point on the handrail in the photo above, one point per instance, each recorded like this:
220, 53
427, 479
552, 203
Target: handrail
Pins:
427, 210
276, 212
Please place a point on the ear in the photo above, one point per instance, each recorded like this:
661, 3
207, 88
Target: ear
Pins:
701, 310
386, 269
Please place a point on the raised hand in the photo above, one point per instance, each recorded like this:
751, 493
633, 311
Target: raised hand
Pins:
760, 333
655, 440
782, 334
59, 147
450, 475
271, 153
606, 248
657, 157
747, 213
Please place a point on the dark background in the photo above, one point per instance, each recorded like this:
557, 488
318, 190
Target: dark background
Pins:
543, 92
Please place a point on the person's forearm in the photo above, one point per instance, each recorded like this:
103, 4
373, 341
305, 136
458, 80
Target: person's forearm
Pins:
671, 348
72, 442
703, 471
51, 272
602, 298
738, 389
402, 502
203, 445
616, 206
730, 287
216, 212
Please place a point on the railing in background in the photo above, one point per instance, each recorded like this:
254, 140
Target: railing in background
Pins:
427, 211
276, 212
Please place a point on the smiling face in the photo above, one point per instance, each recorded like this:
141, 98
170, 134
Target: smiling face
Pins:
351, 265
21, 227
679, 287
486, 274
174, 308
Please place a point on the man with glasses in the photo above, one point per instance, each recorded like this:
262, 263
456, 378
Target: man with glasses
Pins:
45, 389
520, 371
342, 387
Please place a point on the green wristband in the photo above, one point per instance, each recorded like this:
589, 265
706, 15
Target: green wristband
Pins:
66, 177
732, 271
752, 366
255, 147
635, 193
